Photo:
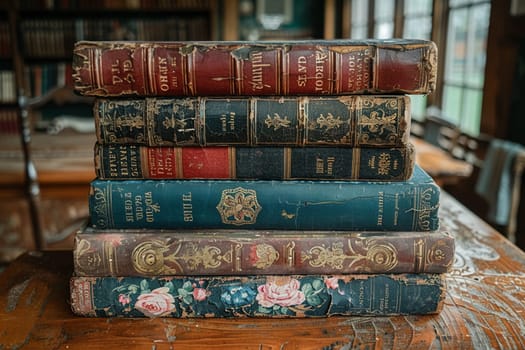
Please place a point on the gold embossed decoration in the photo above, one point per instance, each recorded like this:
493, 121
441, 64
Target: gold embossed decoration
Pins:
263, 255
239, 206
277, 122
376, 257
148, 257
382, 255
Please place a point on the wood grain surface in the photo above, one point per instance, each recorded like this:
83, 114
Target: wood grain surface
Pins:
484, 309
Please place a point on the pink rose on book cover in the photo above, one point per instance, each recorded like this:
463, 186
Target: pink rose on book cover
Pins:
282, 293
200, 294
156, 303
332, 282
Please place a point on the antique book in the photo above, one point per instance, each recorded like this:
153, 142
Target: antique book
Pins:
258, 295
244, 252
352, 120
254, 68
121, 162
410, 205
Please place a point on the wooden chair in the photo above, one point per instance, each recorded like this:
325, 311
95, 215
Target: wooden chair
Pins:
439, 131
30, 110
473, 149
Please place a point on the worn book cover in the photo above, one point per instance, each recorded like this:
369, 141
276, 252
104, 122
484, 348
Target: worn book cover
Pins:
258, 296
410, 205
253, 68
121, 162
342, 121
244, 252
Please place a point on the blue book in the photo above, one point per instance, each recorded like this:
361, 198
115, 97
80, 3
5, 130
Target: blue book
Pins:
410, 205
258, 296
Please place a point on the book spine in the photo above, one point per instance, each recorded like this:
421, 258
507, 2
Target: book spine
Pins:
263, 204
121, 253
258, 296
263, 68
355, 121
120, 162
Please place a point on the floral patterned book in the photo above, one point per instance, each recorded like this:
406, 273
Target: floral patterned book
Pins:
258, 296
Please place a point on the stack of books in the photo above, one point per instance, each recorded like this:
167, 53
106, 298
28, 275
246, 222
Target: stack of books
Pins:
253, 179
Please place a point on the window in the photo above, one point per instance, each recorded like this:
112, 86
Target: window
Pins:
384, 11
359, 19
417, 24
465, 63
464, 48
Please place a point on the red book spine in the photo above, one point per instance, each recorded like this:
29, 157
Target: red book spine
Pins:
118, 162
254, 68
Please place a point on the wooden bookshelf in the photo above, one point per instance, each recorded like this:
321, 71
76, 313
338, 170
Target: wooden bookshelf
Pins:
36, 45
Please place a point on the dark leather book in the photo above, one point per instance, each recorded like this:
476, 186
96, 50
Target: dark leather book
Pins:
342, 121
244, 252
121, 162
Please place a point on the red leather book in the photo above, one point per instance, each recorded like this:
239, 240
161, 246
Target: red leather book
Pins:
242, 252
315, 67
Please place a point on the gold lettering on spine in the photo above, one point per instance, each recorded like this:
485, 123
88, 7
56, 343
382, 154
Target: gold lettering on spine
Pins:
320, 74
122, 72
187, 207
162, 66
302, 76
128, 207
380, 208
425, 208
257, 80
112, 162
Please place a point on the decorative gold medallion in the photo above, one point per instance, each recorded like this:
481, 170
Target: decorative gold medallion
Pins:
148, 257
239, 206
263, 255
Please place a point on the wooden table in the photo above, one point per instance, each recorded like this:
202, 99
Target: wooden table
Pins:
439, 164
484, 308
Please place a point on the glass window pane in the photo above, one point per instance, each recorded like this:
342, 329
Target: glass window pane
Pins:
418, 106
419, 7
417, 28
477, 44
455, 3
471, 111
384, 10
456, 51
452, 96
359, 32
359, 12
359, 24
384, 30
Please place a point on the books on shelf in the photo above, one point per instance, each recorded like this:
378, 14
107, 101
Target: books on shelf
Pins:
258, 179
314, 67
